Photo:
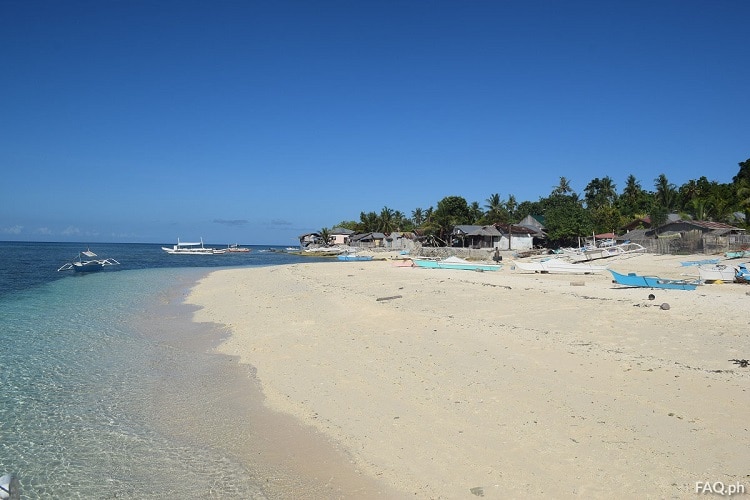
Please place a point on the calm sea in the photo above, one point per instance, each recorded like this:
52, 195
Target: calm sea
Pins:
100, 397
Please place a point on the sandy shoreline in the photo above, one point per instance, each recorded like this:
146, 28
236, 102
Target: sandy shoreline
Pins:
500, 384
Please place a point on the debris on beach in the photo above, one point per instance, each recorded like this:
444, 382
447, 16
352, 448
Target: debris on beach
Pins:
388, 298
744, 363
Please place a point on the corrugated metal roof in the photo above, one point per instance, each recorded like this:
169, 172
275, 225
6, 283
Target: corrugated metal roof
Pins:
705, 224
470, 230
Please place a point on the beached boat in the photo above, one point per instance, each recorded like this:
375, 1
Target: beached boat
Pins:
704, 262
236, 248
351, 257
454, 263
402, 263
604, 252
87, 262
558, 266
743, 274
325, 251
738, 254
184, 248
717, 273
636, 280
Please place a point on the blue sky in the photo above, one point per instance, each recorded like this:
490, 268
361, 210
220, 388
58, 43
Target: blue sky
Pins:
255, 122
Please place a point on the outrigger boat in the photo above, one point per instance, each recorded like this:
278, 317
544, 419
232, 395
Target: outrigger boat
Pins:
89, 264
737, 255
350, 257
558, 266
236, 248
603, 252
636, 280
455, 263
717, 273
743, 274
183, 248
705, 262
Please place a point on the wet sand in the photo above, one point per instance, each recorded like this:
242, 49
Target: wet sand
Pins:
215, 402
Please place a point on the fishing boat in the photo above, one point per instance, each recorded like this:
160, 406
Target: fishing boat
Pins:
402, 263
743, 274
718, 273
184, 248
353, 257
636, 280
559, 266
738, 254
87, 262
703, 262
236, 248
454, 263
603, 252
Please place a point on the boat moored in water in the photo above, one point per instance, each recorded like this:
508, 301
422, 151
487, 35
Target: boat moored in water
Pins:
184, 248
236, 248
87, 262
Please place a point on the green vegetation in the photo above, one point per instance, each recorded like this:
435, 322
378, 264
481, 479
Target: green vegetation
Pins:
568, 216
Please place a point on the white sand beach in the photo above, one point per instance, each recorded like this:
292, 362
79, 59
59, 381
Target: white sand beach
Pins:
461, 384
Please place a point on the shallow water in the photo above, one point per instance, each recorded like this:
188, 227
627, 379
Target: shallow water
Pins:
105, 385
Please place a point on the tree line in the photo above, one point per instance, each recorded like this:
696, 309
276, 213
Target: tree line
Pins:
567, 214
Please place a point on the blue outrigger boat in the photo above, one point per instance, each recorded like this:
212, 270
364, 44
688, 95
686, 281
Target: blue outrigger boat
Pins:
704, 262
352, 257
737, 255
636, 280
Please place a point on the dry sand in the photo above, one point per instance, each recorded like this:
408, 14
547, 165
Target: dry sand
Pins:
459, 384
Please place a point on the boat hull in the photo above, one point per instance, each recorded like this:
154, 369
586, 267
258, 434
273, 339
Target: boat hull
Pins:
559, 266
87, 267
717, 273
354, 258
465, 266
635, 280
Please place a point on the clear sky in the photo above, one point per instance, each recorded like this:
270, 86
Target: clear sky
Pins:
258, 121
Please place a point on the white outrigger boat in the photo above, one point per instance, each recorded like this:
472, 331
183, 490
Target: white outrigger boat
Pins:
719, 273
559, 266
86, 262
594, 253
184, 248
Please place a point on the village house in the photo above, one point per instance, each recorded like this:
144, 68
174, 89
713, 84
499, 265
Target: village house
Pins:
501, 236
339, 236
367, 240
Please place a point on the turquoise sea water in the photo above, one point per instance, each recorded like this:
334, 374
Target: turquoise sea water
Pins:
94, 373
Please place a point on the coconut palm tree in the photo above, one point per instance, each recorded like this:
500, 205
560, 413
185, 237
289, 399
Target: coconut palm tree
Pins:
666, 192
386, 221
325, 236
743, 196
511, 205
563, 187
